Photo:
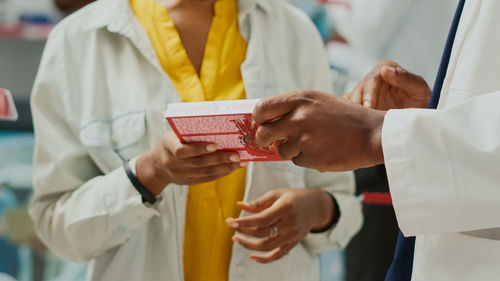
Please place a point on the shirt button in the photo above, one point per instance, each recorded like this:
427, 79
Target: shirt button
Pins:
113, 139
241, 268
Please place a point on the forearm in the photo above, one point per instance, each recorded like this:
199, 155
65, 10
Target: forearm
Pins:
81, 223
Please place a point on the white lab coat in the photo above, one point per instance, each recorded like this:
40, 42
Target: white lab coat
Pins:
443, 165
99, 97
410, 32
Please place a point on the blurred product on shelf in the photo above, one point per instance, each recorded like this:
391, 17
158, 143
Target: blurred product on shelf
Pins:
318, 15
27, 19
15, 11
18, 225
22, 256
9, 264
7, 108
26, 31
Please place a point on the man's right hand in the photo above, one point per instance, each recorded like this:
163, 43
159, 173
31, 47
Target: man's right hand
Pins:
186, 164
389, 86
321, 131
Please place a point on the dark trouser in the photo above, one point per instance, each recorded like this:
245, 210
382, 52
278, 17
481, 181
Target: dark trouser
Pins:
371, 251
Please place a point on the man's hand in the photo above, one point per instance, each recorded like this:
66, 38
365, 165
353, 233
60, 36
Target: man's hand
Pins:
174, 162
280, 219
321, 131
389, 86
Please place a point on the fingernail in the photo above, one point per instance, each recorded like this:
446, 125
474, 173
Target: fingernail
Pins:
366, 103
211, 147
234, 158
241, 204
243, 164
232, 223
392, 71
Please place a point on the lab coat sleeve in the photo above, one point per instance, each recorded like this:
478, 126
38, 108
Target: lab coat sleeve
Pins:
340, 186
443, 166
78, 211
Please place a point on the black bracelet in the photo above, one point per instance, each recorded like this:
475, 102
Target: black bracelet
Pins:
335, 219
146, 195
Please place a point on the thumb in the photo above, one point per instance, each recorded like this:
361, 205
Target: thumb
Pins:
403, 79
259, 204
271, 108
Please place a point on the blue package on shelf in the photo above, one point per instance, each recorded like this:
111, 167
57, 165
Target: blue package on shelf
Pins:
35, 19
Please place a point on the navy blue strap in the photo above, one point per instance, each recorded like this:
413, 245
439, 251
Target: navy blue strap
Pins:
402, 266
147, 197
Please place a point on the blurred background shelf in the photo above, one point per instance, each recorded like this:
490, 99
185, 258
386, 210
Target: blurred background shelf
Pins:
19, 60
31, 32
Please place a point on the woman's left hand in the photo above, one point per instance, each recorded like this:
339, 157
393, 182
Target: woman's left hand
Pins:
280, 219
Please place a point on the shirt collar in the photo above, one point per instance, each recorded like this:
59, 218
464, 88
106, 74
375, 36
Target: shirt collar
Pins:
117, 15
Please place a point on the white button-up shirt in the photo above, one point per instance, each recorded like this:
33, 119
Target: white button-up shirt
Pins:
99, 98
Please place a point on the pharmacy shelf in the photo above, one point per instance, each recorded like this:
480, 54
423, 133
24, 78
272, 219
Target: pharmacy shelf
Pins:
24, 123
26, 31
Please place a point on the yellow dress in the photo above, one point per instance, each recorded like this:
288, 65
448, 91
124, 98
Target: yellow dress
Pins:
207, 245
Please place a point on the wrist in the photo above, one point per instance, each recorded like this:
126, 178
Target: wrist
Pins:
148, 173
375, 137
327, 212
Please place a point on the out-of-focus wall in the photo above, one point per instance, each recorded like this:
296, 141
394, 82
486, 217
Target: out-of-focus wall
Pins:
19, 61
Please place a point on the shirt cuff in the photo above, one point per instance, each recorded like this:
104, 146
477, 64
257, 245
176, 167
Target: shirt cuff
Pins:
400, 161
340, 234
124, 202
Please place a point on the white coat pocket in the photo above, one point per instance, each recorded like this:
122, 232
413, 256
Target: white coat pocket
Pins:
455, 256
112, 141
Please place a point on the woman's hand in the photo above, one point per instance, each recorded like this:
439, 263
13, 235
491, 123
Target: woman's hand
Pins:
389, 86
186, 164
281, 219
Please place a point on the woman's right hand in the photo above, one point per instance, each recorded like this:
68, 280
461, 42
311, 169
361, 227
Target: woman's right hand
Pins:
185, 164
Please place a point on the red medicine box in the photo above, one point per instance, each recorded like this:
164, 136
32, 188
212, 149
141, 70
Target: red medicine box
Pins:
4, 104
228, 124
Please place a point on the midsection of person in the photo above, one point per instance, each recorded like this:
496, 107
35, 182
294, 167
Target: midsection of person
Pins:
107, 106
201, 50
